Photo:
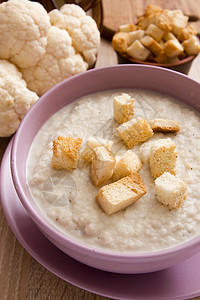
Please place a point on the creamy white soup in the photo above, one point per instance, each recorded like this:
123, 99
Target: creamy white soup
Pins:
67, 198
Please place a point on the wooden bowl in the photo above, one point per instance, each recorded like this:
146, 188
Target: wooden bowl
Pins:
182, 65
183, 61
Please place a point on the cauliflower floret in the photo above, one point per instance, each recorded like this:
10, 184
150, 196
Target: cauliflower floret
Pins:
15, 99
82, 29
6, 68
23, 29
59, 62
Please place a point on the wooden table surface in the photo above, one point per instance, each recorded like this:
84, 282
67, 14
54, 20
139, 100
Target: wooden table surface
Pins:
21, 277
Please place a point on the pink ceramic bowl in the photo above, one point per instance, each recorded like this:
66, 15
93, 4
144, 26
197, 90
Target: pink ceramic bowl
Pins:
119, 76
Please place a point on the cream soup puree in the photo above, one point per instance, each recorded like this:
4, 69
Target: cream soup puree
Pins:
67, 198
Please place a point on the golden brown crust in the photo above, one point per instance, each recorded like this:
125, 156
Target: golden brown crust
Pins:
120, 41
173, 48
164, 125
164, 20
135, 183
65, 152
120, 194
152, 9
134, 131
163, 157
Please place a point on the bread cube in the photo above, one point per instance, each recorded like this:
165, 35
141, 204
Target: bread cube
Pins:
127, 28
66, 152
164, 125
120, 41
93, 142
102, 166
179, 21
128, 163
163, 157
155, 32
164, 20
120, 194
134, 132
173, 48
145, 21
152, 44
123, 108
138, 51
186, 33
192, 46
161, 58
169, 36
136, 35
152, 9
170, 191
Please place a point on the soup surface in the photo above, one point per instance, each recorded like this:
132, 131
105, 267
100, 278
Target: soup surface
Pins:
67, 198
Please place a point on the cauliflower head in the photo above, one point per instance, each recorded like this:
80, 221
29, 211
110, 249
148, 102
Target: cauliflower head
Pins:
58, 63
15, 98
23, 29
81, 28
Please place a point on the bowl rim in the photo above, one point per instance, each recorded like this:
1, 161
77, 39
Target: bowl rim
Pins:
51, 230
181, 62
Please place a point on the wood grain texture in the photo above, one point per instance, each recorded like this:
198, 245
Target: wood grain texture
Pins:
117, 13
23, 278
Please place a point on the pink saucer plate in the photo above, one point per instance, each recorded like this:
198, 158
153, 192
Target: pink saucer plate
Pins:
181, 281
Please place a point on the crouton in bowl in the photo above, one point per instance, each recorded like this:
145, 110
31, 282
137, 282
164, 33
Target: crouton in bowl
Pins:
92, 193
161, 37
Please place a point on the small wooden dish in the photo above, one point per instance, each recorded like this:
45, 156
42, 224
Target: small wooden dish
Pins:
185, 62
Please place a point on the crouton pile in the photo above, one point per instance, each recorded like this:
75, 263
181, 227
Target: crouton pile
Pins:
160, 36
118, 176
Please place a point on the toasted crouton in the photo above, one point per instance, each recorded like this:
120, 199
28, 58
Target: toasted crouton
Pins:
169, 36
93, 142
128, 163
186, 33
134, 132
65, 152
120, 41
170, 191
161, 58
127, 28
191, 46
145, 21
147, 40
136, 35
163, 157
152, 9
179, 21
123, 108
138, 51
102, 166
120, 194
173, 48
164, 20
155, 32
164, 125
152, 44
